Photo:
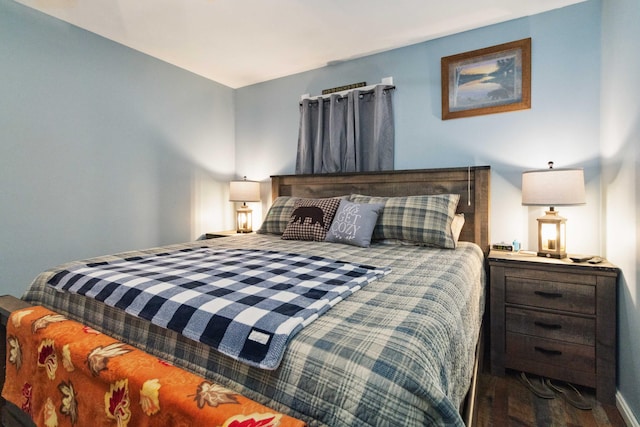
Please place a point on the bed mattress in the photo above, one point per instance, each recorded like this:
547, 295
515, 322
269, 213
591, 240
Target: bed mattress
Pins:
400, 351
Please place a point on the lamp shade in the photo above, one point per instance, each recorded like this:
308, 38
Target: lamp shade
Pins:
553, 187
244, 191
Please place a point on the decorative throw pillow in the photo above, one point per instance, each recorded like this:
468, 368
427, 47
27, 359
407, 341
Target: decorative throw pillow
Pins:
278, 216
310, 219
456, 226
425, 220
353, 223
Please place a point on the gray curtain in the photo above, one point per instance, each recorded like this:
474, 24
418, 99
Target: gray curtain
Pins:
351, 133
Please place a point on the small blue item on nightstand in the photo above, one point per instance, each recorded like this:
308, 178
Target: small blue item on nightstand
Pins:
516, 245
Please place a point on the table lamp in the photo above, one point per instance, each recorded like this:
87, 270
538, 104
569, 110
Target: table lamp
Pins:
552, 187
244, 191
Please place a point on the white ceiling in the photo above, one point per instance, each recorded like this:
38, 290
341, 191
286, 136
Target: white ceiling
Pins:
242, 42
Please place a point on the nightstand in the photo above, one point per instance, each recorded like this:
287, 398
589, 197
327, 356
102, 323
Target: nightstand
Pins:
554, 318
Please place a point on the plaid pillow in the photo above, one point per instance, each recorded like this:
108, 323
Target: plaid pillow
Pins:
425, 220
311, 219
278, 216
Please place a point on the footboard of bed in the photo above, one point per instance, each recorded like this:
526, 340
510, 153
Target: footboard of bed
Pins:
10, 414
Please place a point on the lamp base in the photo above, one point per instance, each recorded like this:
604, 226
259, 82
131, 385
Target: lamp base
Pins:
244, 219
552, 235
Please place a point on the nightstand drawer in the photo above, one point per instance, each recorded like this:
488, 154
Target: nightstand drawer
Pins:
577, 330
574, 357
552, 295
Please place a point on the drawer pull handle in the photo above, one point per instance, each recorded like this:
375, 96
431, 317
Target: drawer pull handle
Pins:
548, 294
547, 352
547, 325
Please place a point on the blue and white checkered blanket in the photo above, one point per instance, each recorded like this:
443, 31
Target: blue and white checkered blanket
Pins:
246, 303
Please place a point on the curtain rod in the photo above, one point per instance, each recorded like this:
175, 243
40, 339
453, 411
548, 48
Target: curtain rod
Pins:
388, 81
343, 93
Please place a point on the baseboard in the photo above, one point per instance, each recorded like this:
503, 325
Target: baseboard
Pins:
625, 411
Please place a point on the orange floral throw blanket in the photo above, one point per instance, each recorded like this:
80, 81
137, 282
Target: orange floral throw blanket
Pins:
62, 373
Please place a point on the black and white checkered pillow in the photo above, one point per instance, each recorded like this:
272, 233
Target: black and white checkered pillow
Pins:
311, 219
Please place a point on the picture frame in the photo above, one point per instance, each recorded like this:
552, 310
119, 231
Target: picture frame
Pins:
491, 80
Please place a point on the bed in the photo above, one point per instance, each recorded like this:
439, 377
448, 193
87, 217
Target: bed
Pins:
402, 350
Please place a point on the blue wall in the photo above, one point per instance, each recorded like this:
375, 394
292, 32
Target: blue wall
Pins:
562, 125
102, 148
105, 149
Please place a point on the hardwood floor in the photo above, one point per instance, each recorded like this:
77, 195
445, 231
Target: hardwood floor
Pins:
507, 402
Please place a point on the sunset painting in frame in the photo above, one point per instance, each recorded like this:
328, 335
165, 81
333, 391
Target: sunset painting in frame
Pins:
486, 81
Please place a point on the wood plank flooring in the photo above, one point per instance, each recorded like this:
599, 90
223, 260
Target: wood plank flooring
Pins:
505, 401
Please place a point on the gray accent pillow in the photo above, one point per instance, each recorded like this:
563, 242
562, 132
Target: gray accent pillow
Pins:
353, 223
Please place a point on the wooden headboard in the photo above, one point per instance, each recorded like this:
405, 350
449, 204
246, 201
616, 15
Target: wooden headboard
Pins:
472, 183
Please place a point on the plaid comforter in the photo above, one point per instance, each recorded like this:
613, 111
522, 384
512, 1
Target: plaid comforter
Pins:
246, 303
399, 351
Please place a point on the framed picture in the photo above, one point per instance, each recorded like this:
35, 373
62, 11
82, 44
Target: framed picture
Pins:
486, 81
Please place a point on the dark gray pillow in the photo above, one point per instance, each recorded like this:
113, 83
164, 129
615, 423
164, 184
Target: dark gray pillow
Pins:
353, 223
